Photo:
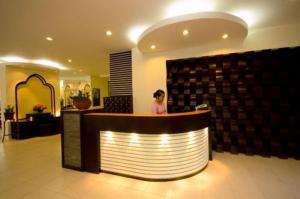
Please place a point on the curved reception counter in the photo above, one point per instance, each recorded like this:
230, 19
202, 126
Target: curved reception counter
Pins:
149, 147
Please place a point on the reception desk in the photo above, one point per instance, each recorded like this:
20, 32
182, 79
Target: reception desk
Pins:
149, 147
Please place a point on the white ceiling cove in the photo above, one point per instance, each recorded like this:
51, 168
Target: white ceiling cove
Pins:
201, 28
78, 27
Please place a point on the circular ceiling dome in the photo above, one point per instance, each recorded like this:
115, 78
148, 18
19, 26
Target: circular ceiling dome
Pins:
200, 29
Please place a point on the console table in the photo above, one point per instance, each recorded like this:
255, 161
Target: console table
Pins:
35, 124
38, 116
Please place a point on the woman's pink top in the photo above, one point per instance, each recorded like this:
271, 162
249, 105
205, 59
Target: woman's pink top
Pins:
158, 108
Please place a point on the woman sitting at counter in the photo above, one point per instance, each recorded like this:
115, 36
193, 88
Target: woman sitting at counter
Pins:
158, 106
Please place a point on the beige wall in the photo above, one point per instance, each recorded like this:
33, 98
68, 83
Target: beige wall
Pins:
102, 83
149, 70
15, 74
2, 90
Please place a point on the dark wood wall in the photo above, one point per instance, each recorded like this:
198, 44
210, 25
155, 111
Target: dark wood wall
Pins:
254, 97
118, 104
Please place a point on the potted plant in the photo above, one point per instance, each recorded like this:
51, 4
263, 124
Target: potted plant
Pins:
9, 112
82, 100
39, 108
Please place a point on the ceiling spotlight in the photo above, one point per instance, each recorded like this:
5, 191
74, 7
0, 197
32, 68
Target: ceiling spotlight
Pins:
224, 36
49, 39
185, 32
108, 33
80, 70
69, 60
152, 46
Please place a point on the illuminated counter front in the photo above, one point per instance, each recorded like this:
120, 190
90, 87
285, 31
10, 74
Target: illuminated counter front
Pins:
151, 147
160, 156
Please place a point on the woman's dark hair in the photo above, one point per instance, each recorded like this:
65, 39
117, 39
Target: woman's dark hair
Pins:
158, 93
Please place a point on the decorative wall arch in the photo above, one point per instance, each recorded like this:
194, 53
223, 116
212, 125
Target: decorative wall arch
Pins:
42, 79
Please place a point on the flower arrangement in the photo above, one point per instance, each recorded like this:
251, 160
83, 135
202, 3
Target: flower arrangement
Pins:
39, 108
9, 109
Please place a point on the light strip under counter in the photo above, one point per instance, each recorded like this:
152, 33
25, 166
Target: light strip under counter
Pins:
154, 156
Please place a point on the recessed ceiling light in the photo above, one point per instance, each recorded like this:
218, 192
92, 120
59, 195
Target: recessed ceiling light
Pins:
152, 46
49, 38
80, 70
69, 60
108, 33
224, 36
185, 32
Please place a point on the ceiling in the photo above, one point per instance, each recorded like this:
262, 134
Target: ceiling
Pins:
78, 27
192, 30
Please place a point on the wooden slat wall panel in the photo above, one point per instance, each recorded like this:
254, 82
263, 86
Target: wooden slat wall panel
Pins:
120, 68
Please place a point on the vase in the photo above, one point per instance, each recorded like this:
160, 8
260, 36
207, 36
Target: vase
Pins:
82, 104
9, 116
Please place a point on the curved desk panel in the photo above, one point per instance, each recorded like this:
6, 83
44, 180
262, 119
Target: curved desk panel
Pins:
154, 156
150, 147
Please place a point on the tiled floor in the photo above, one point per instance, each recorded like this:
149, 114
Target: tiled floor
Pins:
31, 169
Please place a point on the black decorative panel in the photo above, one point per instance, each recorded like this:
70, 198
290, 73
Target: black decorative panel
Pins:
254, 97
118, 104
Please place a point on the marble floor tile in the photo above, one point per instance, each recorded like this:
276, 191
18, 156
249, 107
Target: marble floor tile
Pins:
32, 169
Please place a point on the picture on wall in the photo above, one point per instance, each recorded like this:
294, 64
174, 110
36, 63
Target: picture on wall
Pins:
96, 96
